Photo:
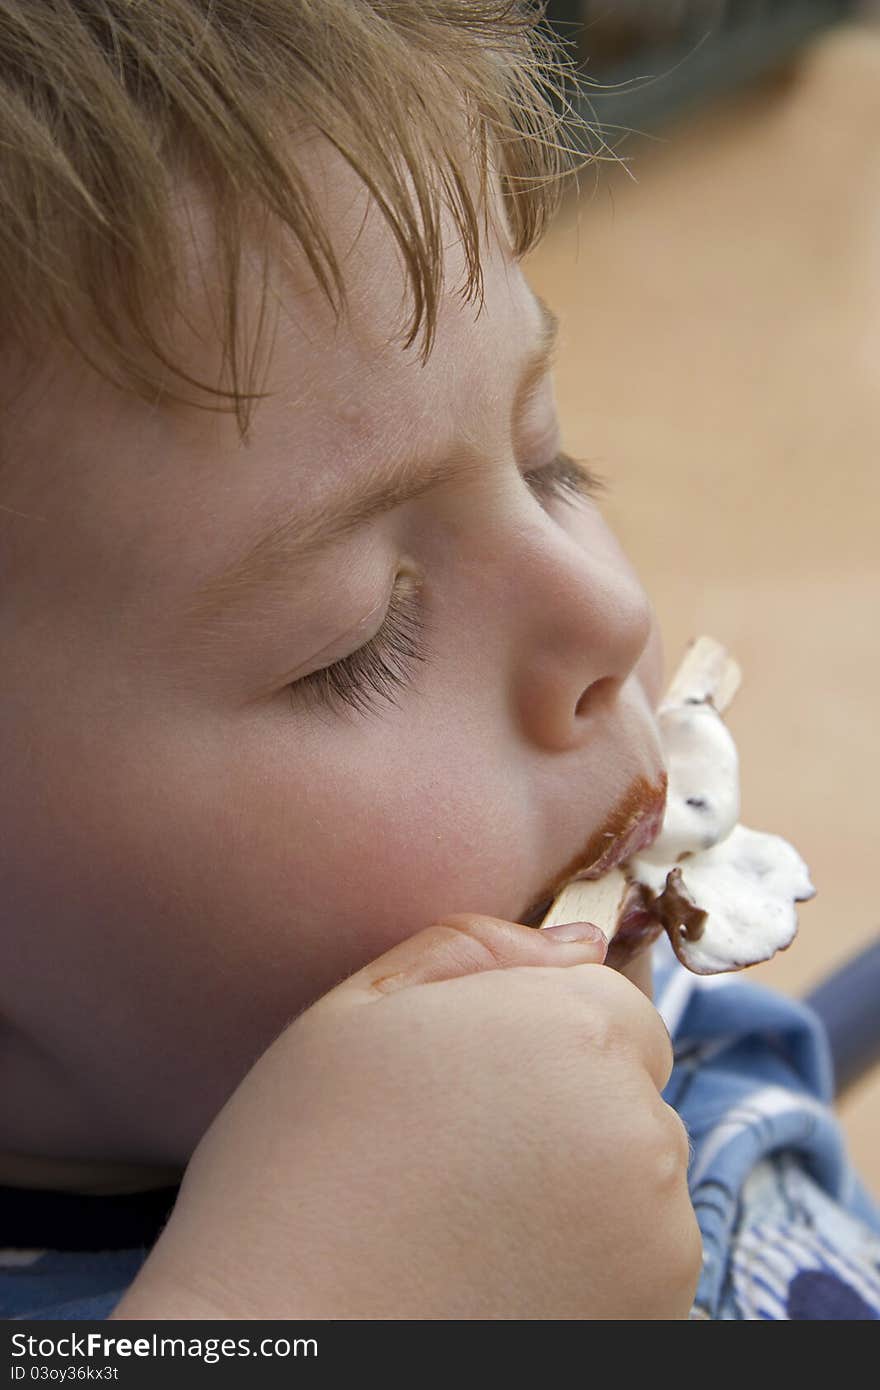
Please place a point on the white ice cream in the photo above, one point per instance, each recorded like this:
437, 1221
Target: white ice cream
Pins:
726, 894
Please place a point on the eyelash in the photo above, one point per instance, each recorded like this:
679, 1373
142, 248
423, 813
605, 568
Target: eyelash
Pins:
385, 665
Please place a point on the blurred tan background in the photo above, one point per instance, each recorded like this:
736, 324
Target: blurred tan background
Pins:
720, 365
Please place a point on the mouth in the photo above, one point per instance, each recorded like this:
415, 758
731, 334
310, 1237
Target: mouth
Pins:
634, 824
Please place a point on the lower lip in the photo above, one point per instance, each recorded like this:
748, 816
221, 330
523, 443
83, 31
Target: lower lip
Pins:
643, 834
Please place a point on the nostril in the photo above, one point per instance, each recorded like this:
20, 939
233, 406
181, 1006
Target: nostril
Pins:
595, 695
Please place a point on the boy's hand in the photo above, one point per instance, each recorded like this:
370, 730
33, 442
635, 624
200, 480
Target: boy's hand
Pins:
469, 1127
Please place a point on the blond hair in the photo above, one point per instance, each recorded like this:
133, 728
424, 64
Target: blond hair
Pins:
102, 100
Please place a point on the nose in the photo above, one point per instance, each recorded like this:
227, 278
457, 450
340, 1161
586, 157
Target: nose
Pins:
583, 624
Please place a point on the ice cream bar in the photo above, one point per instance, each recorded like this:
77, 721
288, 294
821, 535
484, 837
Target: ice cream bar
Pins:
725, 894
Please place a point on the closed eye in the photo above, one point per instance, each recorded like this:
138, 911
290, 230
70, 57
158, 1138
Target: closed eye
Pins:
385, 666
566, 477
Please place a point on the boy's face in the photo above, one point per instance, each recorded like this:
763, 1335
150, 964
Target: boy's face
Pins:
192, 850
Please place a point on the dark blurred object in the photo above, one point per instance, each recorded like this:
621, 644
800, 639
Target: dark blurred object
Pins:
848, 1003
665, 55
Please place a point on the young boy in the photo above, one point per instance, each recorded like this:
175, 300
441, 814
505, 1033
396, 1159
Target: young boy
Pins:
309, 704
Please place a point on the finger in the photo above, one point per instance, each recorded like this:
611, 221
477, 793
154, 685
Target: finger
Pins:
466, 944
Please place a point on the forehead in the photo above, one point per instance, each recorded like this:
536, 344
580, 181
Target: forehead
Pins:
349, 381
378, 295
342, 395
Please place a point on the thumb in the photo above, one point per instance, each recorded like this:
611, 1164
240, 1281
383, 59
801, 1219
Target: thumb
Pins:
466, 944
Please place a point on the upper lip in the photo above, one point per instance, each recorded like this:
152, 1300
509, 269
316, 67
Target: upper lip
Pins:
634, 824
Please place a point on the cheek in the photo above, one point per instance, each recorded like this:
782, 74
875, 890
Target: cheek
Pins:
213, 883
376, 849
275, 863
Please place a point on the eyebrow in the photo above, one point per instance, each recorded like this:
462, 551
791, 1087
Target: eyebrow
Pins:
297, 538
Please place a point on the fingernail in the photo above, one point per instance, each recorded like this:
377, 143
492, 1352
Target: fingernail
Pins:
576, 931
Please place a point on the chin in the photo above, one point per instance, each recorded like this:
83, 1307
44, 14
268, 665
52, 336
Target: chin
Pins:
634, 962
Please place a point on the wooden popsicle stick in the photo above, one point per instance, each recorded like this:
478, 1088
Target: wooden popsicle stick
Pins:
706, 672
596, 900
